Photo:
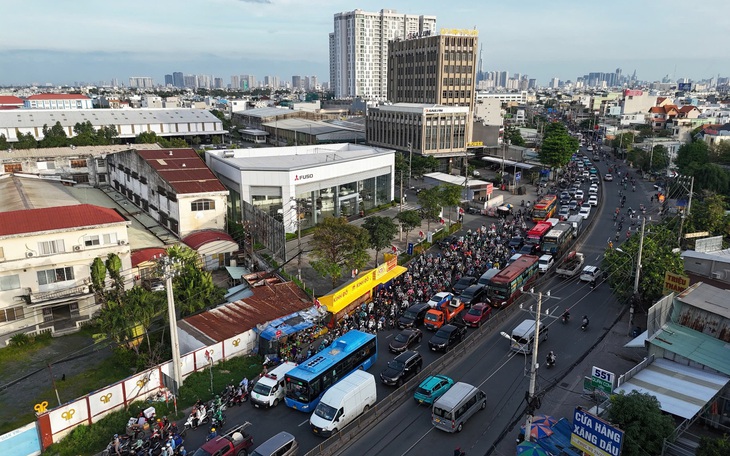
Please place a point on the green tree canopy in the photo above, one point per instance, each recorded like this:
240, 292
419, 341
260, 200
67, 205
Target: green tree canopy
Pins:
4, 144
712, 177
656, 259
430, 201
692, 156
450, 196
54, 136
408, 221
337, 246
381, 232
514, 136
640, 417
708, 214
557, 146
25, 141
714, 447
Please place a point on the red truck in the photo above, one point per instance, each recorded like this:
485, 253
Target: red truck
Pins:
235, 442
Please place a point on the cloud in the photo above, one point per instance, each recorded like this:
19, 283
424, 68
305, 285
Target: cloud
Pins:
257, 1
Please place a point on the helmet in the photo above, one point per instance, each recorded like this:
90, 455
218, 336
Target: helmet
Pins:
158, 420
169, 445
116, 436
212, 429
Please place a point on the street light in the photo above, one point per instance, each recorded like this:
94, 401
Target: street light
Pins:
635, 296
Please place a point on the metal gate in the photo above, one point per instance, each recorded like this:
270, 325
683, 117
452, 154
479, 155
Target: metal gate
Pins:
264, 229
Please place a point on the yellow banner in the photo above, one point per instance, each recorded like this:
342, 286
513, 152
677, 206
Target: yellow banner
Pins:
460, 32
676, 283
475, 144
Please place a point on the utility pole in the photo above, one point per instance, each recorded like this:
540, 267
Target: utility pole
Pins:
299, 238
410, 162
170, 269
686, 214
400, 227
635, 298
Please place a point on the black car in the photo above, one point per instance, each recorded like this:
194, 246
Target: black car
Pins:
405, 339
516, 242
447, 242
528, 249
472, 295
413, 316
463, 283
401, 368
447, 337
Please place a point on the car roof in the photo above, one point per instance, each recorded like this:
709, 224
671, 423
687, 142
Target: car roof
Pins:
406, 355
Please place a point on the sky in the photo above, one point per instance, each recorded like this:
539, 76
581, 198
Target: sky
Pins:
62, 42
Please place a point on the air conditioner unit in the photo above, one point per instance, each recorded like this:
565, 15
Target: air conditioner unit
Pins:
29, 254
718, 275
77, 248
122, 242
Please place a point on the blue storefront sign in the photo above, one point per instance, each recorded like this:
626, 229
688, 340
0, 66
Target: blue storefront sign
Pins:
594, 436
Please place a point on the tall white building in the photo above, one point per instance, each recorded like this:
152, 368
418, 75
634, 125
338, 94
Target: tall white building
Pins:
141, 82
359, 49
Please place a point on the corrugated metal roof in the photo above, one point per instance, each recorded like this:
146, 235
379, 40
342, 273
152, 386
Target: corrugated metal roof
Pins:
198, 238
720, 255
706, 297
268, 303
183, 169
681, 390
145, 255
694, 345
56, 218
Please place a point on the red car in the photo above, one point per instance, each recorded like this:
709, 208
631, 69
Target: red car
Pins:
478, 314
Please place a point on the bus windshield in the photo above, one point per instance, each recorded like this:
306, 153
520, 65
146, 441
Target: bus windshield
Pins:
498, 291
297, 390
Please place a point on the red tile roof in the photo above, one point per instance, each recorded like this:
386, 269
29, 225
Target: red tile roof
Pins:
56, 218
10, 100
58, 96
199, 238
687, 108
144, 255
183, 169
656, 109
268, 303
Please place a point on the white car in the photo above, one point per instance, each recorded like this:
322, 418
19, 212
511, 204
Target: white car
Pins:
584, 212
579, 194
593, 200
593, 190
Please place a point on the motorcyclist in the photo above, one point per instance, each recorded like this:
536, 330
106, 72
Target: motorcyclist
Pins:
213, 434
551, 358
585, 321
117, 444
566, 315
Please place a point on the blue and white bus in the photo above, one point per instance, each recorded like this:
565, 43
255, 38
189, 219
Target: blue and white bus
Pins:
306, 383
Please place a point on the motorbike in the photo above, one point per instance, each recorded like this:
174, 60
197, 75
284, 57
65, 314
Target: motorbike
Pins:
204, 418
584, 325
550, 361
565, 317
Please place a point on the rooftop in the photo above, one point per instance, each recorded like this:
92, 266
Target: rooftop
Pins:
706, 297
183, 169
76, 151
58, 96
696, 346
56, 218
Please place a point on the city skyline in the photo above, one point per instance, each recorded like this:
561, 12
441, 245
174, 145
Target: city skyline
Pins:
223, 38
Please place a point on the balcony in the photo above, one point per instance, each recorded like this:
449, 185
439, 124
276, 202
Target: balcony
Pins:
56, 296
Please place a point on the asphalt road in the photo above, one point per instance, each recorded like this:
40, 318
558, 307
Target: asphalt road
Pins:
491, 366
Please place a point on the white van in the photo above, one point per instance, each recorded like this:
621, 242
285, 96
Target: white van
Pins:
523, 336
343, 402
269, 390
458, 404
544, 263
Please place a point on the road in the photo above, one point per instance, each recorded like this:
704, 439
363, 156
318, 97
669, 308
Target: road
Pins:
491, 366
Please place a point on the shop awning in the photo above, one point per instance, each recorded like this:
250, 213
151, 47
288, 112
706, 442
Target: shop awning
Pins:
681, 390
508, 162
366, 282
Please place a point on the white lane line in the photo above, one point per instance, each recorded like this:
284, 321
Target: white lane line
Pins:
303, 422
417, 442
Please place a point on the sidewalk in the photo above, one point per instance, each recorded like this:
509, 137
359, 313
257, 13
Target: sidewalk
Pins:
609, 354
322, 286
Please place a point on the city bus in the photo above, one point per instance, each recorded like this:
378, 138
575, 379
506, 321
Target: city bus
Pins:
556, 240
306, 383
535, 235
545, 208
505, 287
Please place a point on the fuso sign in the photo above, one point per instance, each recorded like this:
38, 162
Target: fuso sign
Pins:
594, 436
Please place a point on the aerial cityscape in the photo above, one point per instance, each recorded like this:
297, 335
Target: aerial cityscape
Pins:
267, 227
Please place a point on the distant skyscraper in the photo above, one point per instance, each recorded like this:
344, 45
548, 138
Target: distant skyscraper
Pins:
235, 82
190, 81
141, 82
296, 83
168, 80
554, 83
359, 49
178, 80
218, 83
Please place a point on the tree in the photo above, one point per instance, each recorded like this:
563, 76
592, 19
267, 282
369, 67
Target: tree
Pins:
692, 156
712, 177
98, 278
336, 246
430, 201
146, 137
658, 159
656, 259
514, 136
4, 144
557, 146
25, 141
381, 232
640, 416
714, 447
708, 214
114, 269
54, 136
450, 196
408, 221
195, 291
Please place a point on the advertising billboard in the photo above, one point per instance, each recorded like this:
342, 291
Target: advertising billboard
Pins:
594, 436
685, 86
633, 93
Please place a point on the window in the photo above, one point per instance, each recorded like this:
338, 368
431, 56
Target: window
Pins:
202, 205
78, 164
13, 168
100, 163
46, 165
90, 241
11, 314
9, 282
51, 247
55, 275
110, 238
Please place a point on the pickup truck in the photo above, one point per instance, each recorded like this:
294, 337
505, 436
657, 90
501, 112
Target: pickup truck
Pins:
235, 442
436, 318
571, 265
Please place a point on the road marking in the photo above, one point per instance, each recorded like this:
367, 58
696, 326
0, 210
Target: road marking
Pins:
509, 357
417, 441
389, 336
303, 422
